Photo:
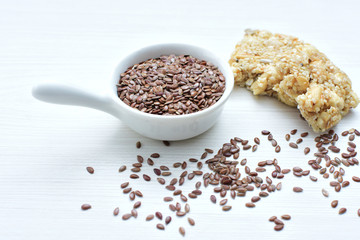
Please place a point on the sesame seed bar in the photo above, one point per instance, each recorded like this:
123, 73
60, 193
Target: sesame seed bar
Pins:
296, 73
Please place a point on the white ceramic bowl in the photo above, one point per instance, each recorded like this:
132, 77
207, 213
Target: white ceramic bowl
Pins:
174, 127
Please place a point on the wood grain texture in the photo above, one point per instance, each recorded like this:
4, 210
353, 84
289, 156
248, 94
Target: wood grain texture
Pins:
45, 149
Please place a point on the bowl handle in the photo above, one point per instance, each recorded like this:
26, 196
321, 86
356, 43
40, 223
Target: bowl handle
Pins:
60, 93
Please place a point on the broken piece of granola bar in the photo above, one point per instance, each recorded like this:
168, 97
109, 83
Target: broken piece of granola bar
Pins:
296, 73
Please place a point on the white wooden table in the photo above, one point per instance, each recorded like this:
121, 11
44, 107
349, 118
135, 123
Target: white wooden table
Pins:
45, 148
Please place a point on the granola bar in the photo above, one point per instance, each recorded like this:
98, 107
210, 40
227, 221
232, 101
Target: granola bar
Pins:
296, 73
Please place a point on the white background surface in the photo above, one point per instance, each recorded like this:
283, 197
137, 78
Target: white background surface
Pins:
45, 148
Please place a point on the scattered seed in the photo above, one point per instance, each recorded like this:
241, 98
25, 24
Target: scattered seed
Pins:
306, 150
334, 203
271, 219
191, 221
312, 178
126, 216
293, 132
166, 143
182, 231
250, 205
160, 226
134, 213
287, 137
278, 227
149, 217
277, 148
138, 144
116, 211
286, 217
122, 168
187, 208
168, 199
85, 206
137, 204
226, 208
213, 198
134, 176
297, 189
356, 179
150, 162
342, 210
159, 215
138, 193
167, 220
293, 145
146, 177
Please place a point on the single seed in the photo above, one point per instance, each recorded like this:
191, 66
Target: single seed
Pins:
278, 227
265, 132
356, 179
122, 168
90, 170
164, 168
116, 211
293, 145
138, 144
342, 210
127, 190
138, 193
312, 178
140, 159
160, 226
132, 196
334, 203
183, 198
167, 220
124, 185
85, 206
209, 150
257, 140
271, 219
146, 177
187, 208
191, 221
134, 213
168, 199
204, 155
298, 141
136, 169
159, 215
293, 132
150, 162
223, 202
137, 204
155, 155
180, 214
126, 216
170, 187
226, 208
274, 143
278, 186
177, 192
358, 212
304, 134
325, 193
134, 176
149, 217
250, 205
165, 173
287, 137
182, 231
161, 181
297, 189
278, 222
286, 217
255, 198
277, 148
166, 143
306, 150
213, 198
